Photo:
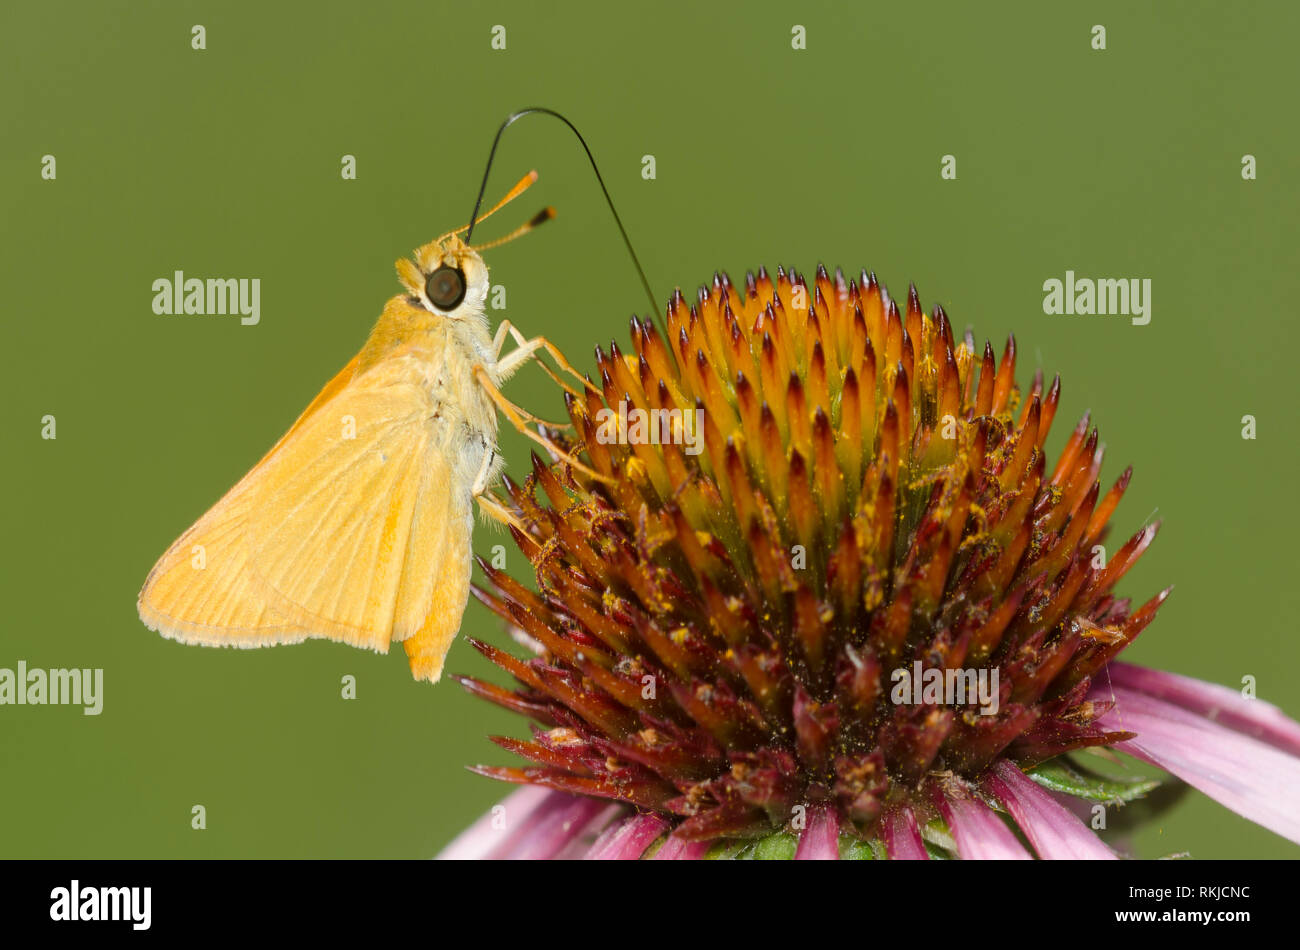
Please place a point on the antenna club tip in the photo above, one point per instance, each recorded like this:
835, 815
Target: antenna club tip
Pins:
546, 214
532, 176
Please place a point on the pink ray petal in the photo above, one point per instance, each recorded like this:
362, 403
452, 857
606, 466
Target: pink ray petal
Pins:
902, 837
481, 838
976, 828
1080, 808
1054, 832
553, 827
1224, 705
583, 842
1120, 845
1252, 778
628, 839
820, 838
678, 849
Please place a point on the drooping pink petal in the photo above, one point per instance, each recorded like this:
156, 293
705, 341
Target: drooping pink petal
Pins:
1119, 842
1252, 778
583, 842
627, 840
1053, 831
902, 837
1254, 717
820, 838
551, 828
497, 825
1080, 808
678, 849
976, 828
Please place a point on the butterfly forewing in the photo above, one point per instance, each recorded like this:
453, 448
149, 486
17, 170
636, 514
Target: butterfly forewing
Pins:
339, 532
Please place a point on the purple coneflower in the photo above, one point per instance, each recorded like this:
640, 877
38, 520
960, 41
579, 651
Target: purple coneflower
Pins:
830, 600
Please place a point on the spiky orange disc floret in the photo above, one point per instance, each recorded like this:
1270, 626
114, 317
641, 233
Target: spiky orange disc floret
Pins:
717, 631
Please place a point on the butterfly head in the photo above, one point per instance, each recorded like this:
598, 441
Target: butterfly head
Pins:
447, 276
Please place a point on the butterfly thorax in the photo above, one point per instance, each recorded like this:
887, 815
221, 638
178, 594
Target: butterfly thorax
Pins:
442, 352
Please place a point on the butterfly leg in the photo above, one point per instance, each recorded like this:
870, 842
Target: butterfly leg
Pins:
529, 417
489, 503
526, 349
499, 512
517, 419
485, 475
498, 342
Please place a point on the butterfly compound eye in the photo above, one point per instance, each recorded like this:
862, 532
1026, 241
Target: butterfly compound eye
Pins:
445, 287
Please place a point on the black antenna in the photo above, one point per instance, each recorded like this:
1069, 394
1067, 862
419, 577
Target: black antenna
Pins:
478, 202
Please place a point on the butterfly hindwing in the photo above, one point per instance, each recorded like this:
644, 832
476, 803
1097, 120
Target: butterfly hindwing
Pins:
431, 605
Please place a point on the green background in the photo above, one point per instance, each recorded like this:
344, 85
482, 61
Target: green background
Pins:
226, 162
